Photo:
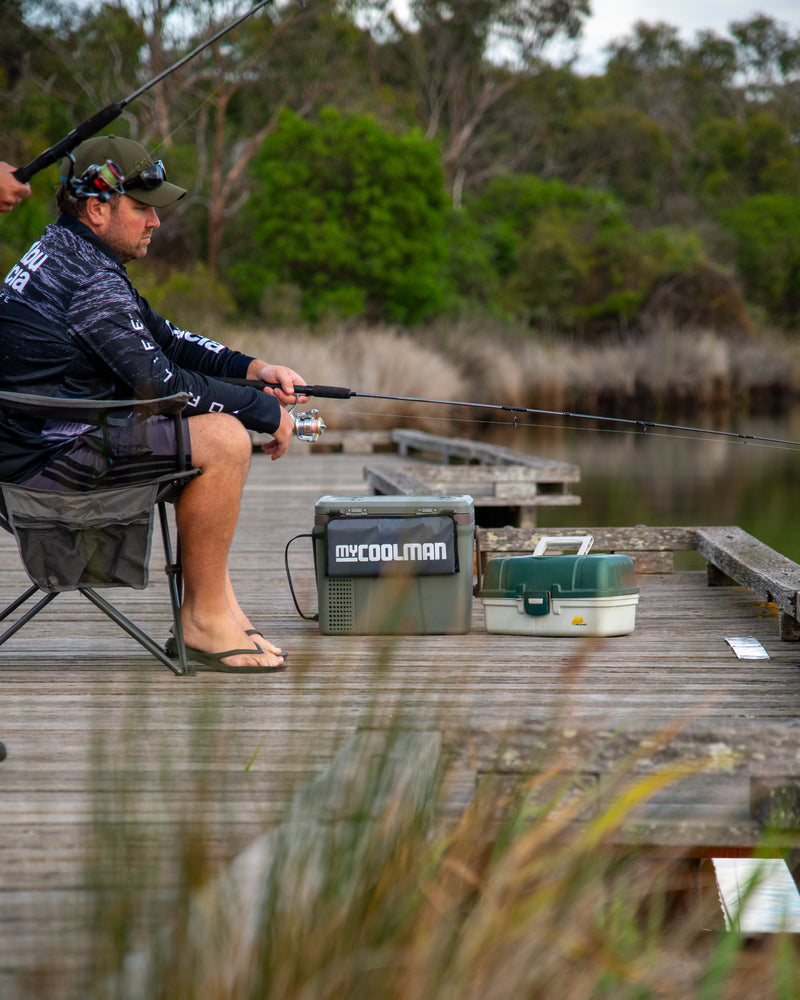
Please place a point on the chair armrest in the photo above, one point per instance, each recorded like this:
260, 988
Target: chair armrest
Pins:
90, 411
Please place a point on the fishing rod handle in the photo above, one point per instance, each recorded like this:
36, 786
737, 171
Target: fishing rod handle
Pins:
83, 131
323, 391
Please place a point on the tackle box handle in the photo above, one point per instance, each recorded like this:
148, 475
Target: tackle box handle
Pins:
584, 543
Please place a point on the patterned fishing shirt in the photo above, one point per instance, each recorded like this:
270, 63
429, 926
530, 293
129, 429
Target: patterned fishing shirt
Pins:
73, 325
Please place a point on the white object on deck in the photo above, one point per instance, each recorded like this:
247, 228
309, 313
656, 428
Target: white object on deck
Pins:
758, 895
747, 647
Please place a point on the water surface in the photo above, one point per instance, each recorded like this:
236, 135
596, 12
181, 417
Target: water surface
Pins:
678, 478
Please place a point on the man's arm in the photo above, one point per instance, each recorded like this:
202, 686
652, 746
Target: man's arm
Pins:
104, 320
189, 350
202, 354
11, 190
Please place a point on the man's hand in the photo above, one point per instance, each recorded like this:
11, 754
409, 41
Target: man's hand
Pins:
286, 378
281, 438
11, 190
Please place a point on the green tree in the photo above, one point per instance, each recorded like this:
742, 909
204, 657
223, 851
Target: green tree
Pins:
464, 61
619, 150
767, 231
349, 214
567, 257
735, 158
770, 54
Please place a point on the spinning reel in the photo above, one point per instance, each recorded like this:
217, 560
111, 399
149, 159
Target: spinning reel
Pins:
308, 426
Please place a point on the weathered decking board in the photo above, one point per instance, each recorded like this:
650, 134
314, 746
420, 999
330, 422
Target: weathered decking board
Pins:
411, 442
95, 727
506, 485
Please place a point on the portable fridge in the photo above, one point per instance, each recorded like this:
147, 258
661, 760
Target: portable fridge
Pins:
584, 594
398, 565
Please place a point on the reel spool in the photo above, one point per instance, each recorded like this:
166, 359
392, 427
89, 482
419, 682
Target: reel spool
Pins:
308, 426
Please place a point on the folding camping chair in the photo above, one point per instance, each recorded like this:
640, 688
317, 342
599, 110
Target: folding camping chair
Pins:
85, 541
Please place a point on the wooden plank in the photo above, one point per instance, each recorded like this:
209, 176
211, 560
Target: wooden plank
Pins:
768, 574
640, 538
650, 548
722, 747
387, 481
101, 738
409, 441
515, 495
353, 442
425, 481
553, 472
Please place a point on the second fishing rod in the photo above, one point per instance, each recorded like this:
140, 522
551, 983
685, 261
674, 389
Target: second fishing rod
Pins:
100, 119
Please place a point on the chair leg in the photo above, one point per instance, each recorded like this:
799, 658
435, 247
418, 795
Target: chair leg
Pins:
20, 600
174, 582
31, 613
132, 629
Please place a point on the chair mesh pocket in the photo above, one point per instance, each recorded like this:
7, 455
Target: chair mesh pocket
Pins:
71, 540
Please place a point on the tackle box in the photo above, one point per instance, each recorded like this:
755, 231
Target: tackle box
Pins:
556, 595
394, 564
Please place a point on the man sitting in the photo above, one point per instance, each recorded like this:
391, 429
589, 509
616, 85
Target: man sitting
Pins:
73, 325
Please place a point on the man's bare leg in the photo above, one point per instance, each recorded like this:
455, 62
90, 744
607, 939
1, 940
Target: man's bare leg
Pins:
245, 622
206, 514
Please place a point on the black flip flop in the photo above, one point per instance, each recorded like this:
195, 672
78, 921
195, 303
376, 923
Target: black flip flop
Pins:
213, 661
171, 647
255, 631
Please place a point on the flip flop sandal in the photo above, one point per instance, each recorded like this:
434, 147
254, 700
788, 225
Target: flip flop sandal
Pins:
213, 661
171, 646
256, 631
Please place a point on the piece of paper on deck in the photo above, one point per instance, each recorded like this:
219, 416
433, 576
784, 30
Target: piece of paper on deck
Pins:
747, 648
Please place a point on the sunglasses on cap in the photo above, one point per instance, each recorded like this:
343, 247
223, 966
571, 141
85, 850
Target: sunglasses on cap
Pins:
149, 178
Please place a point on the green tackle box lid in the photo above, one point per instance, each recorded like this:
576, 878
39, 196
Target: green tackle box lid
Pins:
567, 576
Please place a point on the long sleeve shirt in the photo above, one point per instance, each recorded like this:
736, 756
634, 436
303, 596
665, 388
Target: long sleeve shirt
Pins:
73, 325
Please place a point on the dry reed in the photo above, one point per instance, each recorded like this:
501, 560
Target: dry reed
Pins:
372, 887
677, 371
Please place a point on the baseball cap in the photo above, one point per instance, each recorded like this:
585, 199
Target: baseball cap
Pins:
144, 178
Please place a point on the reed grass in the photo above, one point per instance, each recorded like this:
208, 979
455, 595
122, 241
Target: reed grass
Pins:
374, 885
666, 371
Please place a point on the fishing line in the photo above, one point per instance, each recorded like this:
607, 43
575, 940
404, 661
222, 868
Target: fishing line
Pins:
635, 425
754, 440
240, 67
112, 111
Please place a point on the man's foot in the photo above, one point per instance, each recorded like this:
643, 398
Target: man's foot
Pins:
171, 645
238, 649
265, 644
222, 661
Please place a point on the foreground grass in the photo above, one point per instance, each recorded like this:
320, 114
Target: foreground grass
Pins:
374, 887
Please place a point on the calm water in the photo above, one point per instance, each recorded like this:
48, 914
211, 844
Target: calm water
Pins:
686, 479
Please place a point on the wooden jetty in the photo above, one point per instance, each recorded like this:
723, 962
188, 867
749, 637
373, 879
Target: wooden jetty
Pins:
507, 486
101, 737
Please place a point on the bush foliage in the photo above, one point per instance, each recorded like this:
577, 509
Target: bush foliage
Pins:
349, 214
342, 162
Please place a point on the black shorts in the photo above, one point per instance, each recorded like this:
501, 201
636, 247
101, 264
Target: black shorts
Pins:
114, 456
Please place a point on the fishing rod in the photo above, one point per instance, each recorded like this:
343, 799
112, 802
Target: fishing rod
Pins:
112, 111
642, 426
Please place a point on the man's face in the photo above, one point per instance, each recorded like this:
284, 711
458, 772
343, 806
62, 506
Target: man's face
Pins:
125, 224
